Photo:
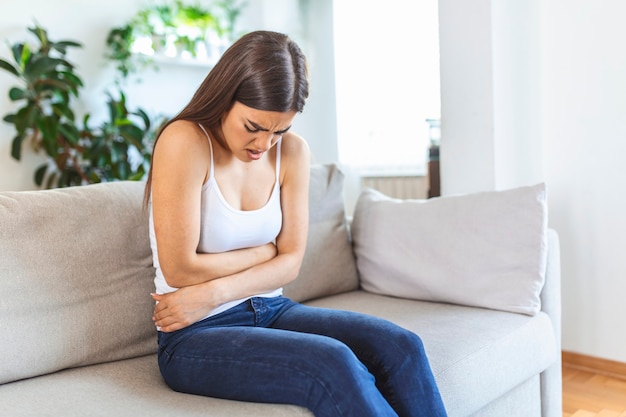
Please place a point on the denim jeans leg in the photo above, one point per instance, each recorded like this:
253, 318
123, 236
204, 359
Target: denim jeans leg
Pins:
233, 356
395, 356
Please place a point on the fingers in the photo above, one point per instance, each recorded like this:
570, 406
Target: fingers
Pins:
157, 315
163, 317
172, 327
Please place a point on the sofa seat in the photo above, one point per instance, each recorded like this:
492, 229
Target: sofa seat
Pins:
126, 388
477, 355
499, 352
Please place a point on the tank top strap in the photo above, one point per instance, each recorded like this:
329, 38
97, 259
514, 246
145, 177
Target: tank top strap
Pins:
278, 146
211, 147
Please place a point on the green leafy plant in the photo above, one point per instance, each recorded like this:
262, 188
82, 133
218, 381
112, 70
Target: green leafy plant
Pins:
120, 148
173, 23
46, 118
228, 13
120, 41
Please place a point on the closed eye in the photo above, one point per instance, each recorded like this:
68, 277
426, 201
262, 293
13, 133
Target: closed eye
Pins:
282, 132
256, 128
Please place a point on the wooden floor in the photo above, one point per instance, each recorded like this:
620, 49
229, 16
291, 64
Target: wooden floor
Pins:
593, 387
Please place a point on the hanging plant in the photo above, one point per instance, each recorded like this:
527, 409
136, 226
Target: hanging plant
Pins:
173, 28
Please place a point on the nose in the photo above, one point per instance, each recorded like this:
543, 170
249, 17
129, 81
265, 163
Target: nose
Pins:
265, 141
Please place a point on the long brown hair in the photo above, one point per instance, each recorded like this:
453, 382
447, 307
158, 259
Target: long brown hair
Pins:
264, 70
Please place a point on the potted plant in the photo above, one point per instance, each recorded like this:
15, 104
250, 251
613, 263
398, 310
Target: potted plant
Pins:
46, 118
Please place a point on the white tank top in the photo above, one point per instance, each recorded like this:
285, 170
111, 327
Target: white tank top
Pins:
224, 228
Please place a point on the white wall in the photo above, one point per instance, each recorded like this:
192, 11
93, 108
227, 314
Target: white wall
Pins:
584, 131
490, 79
536, 91
165, 91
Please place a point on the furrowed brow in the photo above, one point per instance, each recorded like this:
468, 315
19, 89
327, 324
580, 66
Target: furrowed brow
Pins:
280, 132
263, 129
257, 126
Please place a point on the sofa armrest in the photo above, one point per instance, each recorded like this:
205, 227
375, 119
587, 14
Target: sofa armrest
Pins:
551, 378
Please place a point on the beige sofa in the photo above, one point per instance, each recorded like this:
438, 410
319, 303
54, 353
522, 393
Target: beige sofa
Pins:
76, 274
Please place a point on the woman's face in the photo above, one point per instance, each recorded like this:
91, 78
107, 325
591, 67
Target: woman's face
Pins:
249, 132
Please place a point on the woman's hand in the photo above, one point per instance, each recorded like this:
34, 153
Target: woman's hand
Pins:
183, 307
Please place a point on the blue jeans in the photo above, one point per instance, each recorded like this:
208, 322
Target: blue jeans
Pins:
273, 350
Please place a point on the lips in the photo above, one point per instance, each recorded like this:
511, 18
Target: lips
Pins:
254, 155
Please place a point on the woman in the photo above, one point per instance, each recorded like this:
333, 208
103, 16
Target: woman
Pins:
228, 222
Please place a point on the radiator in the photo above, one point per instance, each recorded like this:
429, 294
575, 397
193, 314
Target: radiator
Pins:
398, 187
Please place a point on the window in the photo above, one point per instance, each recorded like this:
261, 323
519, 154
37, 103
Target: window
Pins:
387, 83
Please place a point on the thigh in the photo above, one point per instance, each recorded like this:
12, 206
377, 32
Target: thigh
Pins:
255, 364
364, 334
378, 343
394, 355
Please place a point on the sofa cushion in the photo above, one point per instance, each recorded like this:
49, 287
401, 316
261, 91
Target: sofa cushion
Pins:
127, 388
484, 249
328, 266
476, 354
75, 277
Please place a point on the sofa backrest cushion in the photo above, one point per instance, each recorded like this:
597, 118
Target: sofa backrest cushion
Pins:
329, 266
484, 249
75, 278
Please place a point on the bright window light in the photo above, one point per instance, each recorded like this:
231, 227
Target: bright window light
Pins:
387, 83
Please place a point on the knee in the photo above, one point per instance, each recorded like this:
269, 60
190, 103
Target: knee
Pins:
398, 348
397, 340
410, 341
330, 375
334, 357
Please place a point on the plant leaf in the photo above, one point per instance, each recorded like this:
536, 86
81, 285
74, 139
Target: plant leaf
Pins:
40, 173
63, 110
69, 132
144, 117
48, 128
39, 66
25, 118
21, 54
16, 147
41, 34
5, 65
71, 79
62, 46
16, 94
9, 118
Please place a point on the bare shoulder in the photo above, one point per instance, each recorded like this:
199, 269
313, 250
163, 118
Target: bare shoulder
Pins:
294, 147
295, 158
183, 133
182, 139
182, 144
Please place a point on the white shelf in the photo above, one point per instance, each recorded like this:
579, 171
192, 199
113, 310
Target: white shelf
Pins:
180, 61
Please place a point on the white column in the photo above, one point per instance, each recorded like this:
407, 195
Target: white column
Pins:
490, 100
